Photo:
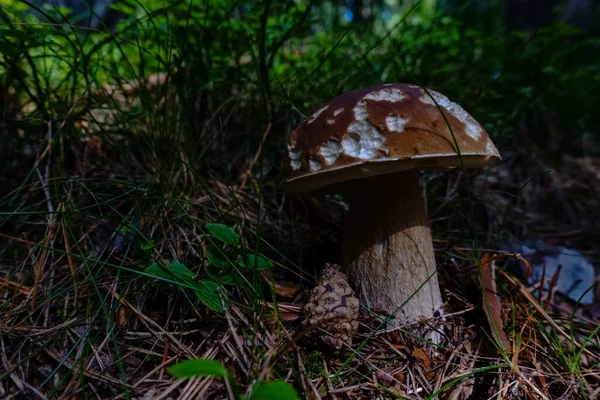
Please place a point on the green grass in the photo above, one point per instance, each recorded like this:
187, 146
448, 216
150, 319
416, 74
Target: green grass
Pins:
120, 149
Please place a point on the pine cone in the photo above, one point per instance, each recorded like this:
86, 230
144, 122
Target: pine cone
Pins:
333, 307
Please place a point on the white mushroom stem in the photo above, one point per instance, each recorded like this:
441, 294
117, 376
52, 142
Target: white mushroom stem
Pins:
387, 248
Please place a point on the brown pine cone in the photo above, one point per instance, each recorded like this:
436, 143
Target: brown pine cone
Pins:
332, 307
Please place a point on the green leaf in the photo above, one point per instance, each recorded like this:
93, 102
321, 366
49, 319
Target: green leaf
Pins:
125, 228
206, 291
227, 279
135, 110
158, 271
198, 367
147, 245
181, 271
216, 257
254, 261
224, 233
276, 390
175, 268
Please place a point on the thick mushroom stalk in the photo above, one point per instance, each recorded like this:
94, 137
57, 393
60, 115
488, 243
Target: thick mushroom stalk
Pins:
387, 248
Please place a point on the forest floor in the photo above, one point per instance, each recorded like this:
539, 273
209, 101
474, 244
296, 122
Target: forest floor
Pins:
140, 173
83, 315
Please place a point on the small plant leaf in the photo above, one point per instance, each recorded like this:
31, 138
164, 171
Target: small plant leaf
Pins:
147, 245
198, 367
227, 279
135, 110
158, 271
216, 257
125, 228
206, 291
181, 271
254, 261
175, 269
224, 233
276, 390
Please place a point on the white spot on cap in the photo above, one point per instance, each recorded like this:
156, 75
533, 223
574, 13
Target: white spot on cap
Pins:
316, 114
351, 144
338, 111
395, 123
331, 121
360, 111
473, 129
331, 150
362, 141
392, 95
294, 154
314, 164
363, 138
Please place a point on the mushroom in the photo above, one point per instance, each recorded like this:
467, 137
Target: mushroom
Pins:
370, 144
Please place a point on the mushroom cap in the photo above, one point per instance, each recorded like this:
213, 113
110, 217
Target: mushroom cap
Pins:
378, 130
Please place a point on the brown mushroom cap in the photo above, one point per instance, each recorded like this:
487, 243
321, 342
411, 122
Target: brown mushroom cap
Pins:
378, 130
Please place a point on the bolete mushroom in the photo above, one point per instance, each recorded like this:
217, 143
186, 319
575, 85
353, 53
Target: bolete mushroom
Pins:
370, 144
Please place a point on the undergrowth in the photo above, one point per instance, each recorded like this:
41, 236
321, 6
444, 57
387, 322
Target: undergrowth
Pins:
141, 222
